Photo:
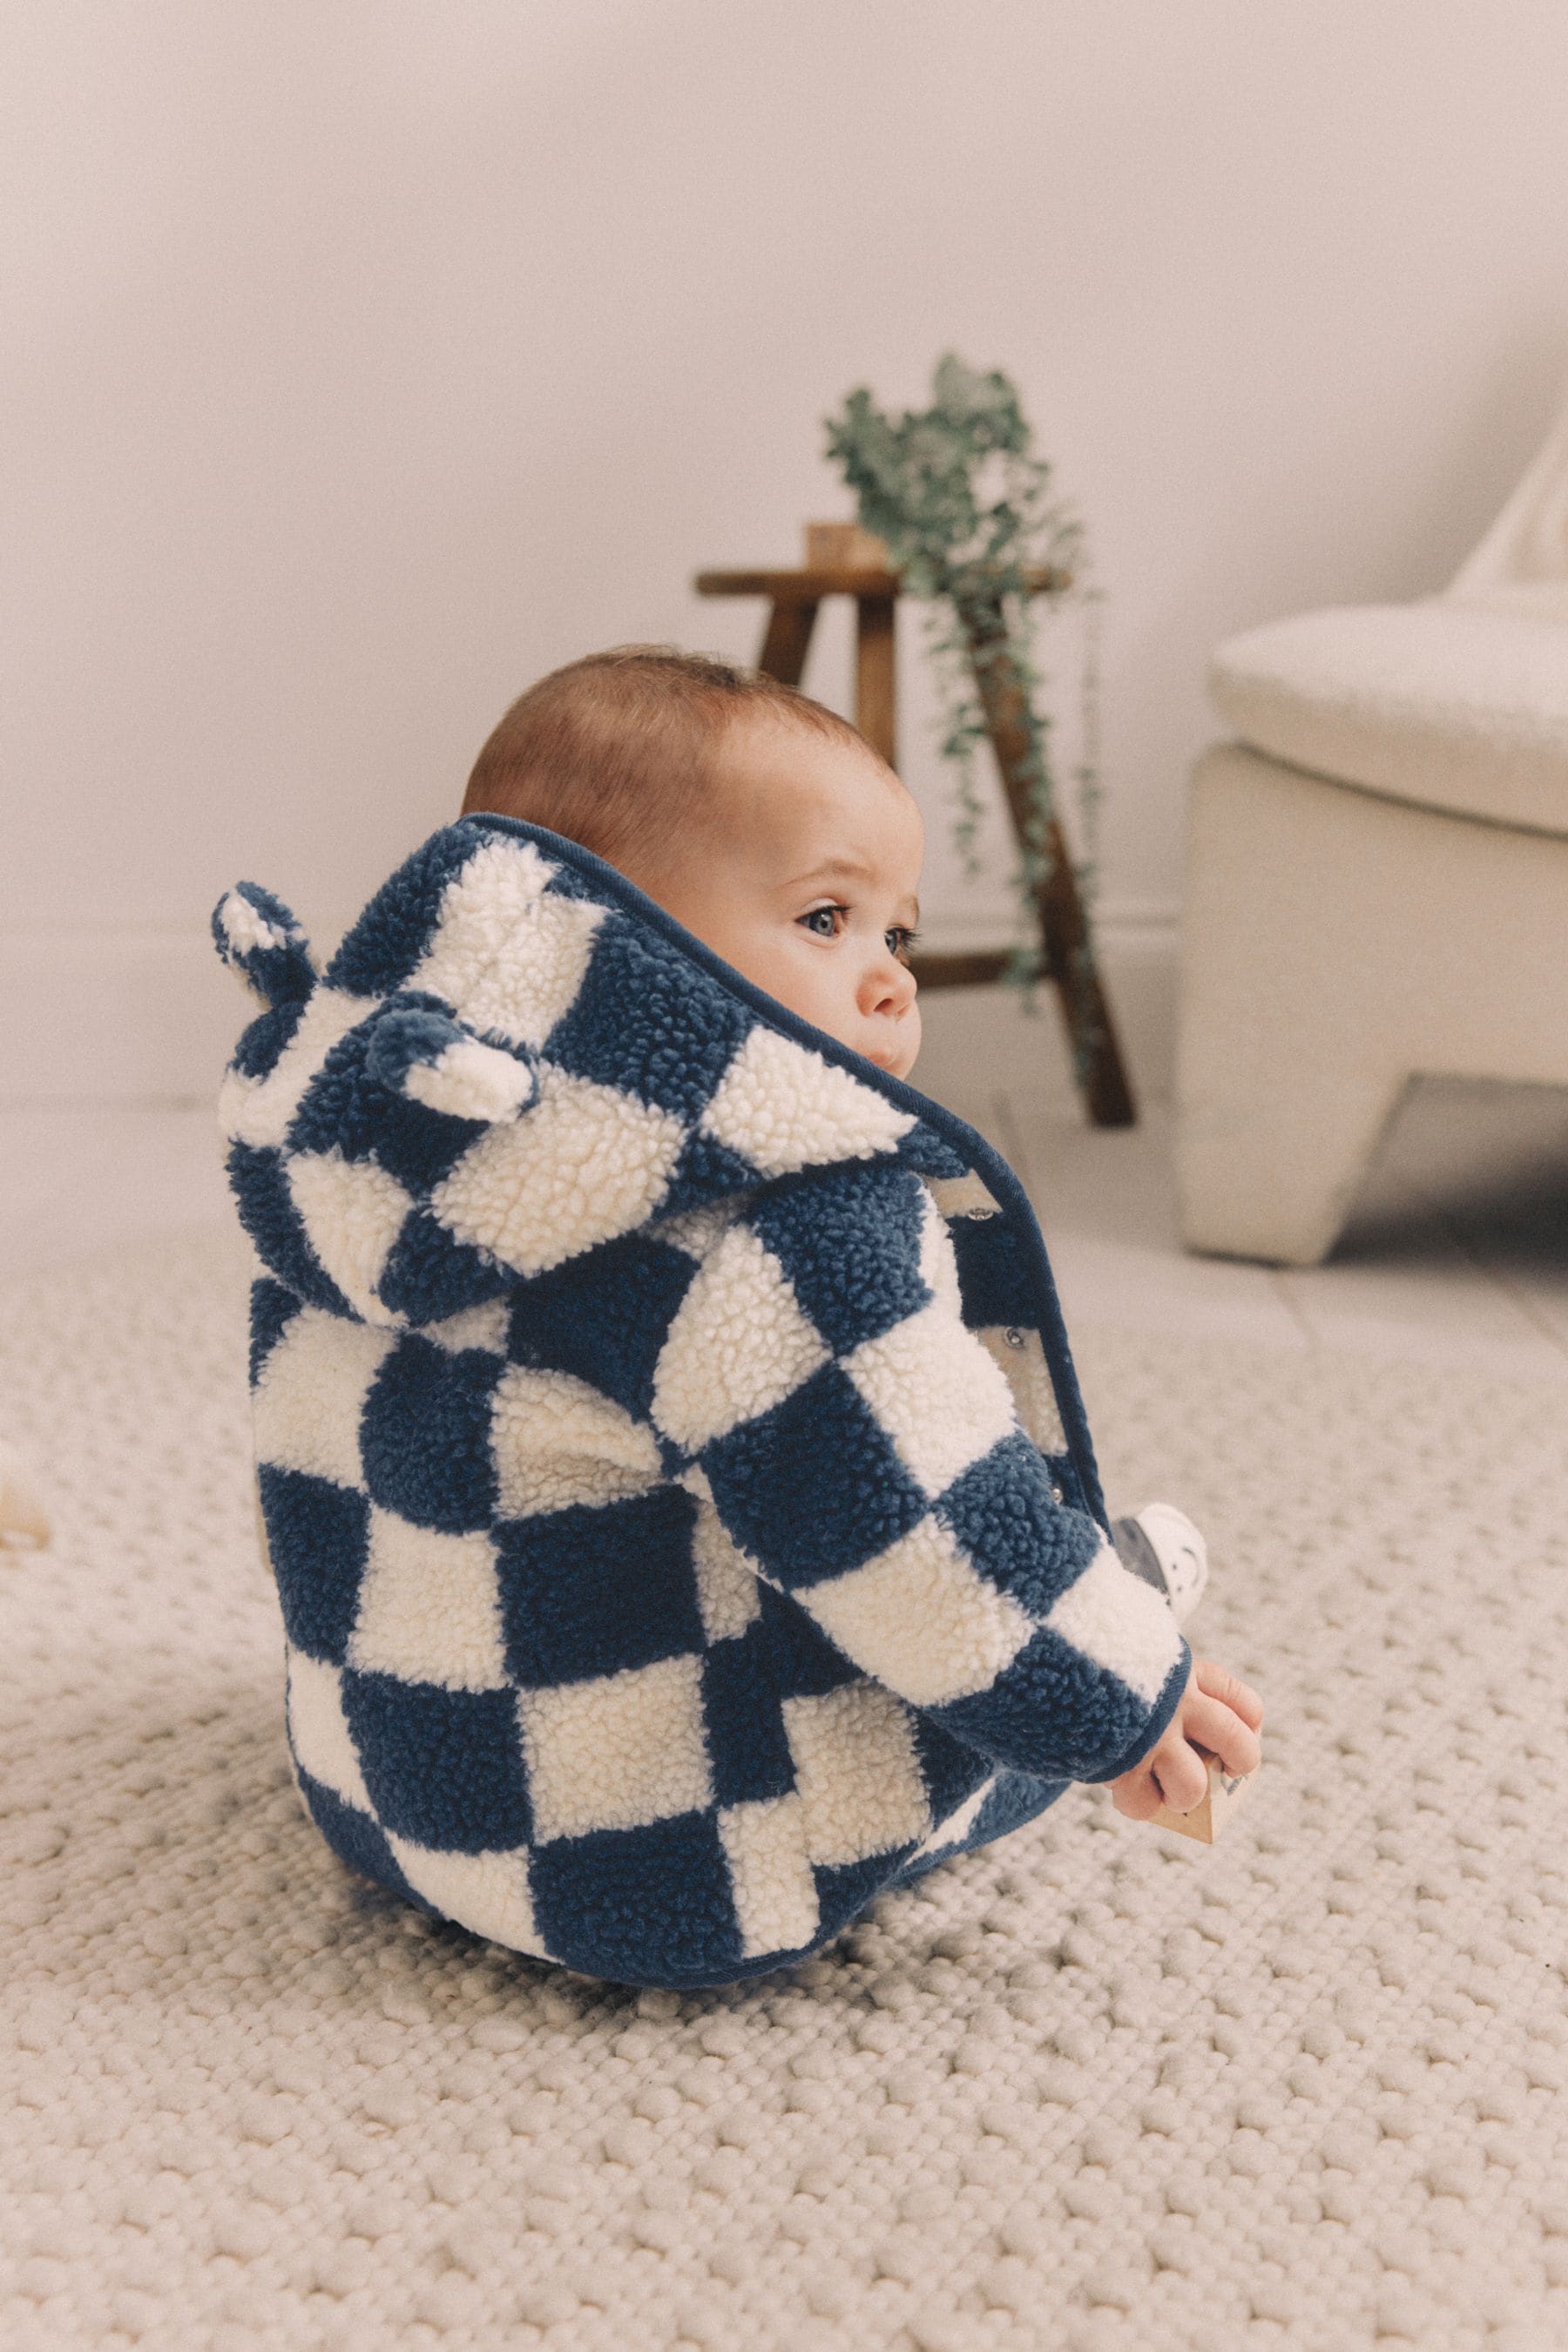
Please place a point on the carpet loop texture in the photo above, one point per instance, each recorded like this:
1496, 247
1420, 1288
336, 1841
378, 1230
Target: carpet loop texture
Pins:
1091, 2087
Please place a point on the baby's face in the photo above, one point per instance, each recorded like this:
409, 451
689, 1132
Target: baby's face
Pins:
805, 879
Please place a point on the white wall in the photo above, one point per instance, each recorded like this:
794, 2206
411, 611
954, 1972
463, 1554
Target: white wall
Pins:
367, 360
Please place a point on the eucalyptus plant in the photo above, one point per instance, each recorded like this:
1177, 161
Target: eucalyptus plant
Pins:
965, 504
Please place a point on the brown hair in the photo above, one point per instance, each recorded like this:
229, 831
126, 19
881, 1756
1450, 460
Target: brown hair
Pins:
619, 750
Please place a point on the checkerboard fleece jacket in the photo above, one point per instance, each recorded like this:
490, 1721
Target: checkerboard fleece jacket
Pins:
678, 1493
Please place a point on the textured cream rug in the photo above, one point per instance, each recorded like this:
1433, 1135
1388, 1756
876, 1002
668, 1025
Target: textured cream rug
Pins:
1095, 2087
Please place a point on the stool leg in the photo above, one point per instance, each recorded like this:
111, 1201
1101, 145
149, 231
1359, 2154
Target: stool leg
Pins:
786, 641
876, 709
1063, 926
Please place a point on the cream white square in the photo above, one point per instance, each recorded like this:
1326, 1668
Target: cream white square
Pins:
472, 1080
770, 1875
311, 1393
556, 1441
922, 1620
738, 1344
508, 956
1121, 1622
486, 1892
782, 1106
429, 1611
939, 1266
585, 1163
258, 1111
694, 1231
936, 1392
354, 1212
856, 1772
475, 1327
320, 1731
727, 1595
615, 1753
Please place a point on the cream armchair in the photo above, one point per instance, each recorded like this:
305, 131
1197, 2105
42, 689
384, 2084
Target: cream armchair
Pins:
1377, 879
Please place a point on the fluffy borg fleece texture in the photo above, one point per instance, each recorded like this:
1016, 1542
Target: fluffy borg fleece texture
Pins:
678, 1491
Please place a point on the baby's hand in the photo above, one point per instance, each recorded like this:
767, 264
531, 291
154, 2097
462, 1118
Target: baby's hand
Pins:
1218, 1712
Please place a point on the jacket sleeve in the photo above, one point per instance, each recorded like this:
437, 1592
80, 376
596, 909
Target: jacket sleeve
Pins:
863, 1453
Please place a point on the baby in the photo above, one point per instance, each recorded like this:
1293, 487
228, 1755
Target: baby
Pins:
681, 1504
767, 825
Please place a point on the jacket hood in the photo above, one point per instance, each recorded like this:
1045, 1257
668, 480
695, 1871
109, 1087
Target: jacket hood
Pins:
515, 1057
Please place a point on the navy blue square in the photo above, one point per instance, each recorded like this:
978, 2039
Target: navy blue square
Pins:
802, 1659
849, 1242
706, 1171
442, 1768
565, 882
425, 1436
649, 1023
844, 1890
347, 1107
814, 1487
392, 936
354, 1838
1018, 1798
646, 1907
1004, 1513
318, 1535
1052, 1713
272, 1309
992, 1281
604, 1316
262, 1042
747, 1751
589, 1592
267, 1213
429, 1275
921, 1147
952, 1771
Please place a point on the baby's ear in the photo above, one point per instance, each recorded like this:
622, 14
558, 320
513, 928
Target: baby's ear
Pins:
262, 942
427, 1056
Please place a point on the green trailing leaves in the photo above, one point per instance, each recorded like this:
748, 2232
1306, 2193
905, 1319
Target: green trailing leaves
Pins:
965, 507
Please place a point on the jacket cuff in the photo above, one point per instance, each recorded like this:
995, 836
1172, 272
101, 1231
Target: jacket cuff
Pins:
1166, 1707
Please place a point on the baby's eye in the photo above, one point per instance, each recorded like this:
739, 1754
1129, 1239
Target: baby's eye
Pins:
899, 940
825, 921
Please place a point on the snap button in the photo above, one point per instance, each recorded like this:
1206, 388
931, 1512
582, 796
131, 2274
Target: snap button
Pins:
1014, 1337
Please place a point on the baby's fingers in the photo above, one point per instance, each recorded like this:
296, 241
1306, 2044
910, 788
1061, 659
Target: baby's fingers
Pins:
1136, 1794
1212, 1725
1181, 1773
1218, 1682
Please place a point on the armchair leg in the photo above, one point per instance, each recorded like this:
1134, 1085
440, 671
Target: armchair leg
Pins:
1337, 943
1288, 1069
1275, 1177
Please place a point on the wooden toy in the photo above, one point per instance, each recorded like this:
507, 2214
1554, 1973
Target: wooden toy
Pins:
1207, 1818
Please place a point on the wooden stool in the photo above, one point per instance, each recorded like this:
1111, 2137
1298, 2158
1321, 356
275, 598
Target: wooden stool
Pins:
793, 597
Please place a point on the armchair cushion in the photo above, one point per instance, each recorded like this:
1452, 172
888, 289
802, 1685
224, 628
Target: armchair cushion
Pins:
1448, 703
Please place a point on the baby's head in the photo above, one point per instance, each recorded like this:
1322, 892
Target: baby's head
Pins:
758, 818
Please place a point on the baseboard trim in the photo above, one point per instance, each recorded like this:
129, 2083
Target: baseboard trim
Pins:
129, 1013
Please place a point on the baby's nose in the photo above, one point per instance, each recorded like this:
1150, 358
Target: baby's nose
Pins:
889, 988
